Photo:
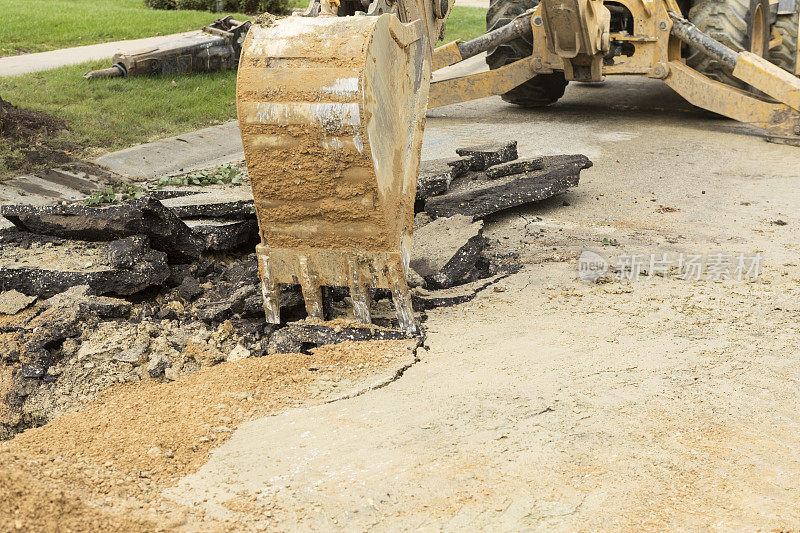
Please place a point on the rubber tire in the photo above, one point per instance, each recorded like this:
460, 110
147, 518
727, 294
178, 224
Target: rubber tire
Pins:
785, 55
729, 22
540, 90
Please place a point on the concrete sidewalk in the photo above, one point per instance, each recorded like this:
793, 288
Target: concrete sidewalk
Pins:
191, 151
23, 64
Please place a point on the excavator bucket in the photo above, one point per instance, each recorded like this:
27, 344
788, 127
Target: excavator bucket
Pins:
331, 112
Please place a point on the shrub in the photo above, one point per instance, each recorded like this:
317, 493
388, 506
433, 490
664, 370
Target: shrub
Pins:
160, 4
229, 6
252, 7
276, 7
199, 5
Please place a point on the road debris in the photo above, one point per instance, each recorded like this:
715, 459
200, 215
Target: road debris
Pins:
435, 176
147, 216
478, 196
515, 167
186, 292
224, 235
44, 266
446, 250
13, 301
301, 337
228, 202
486, 155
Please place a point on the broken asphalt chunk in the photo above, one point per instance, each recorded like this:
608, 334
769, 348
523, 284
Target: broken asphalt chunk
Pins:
478, 196
486, 155
189, 289
6, 226
125, 253
80, 297
32, 371
500, 261
232, 202
534, 163
12, 302
431, 299
435, 176
445, 250
44, 271
460, 165
80, 222
514, 167
221, 235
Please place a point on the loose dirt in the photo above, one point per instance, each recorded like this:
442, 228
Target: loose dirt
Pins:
134, 440
30, 506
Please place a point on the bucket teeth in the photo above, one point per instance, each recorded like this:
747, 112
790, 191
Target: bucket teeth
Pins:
331, 112
358, 293
359, 271
312, 292
269, 291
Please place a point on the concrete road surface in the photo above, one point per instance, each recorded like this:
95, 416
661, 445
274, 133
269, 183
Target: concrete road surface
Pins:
550, 403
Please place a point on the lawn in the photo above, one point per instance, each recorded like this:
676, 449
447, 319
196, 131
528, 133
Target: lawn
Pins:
41, 25
465, 23
109, 114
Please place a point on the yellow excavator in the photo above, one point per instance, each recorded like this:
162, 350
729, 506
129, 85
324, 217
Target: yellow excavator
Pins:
332, 107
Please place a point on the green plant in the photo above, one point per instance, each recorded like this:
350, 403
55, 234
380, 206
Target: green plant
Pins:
609, 242
106, 196
130, 192
110, 195
224, 175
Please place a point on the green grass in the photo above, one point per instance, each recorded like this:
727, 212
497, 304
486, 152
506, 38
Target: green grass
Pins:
41, 25
465, 23
110, 114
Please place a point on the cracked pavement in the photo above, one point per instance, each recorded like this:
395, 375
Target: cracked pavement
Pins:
549, 403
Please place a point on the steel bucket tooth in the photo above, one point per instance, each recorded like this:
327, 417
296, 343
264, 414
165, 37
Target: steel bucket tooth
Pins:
331, 112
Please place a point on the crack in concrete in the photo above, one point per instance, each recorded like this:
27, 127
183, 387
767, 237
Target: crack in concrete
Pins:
385, 381
420, 344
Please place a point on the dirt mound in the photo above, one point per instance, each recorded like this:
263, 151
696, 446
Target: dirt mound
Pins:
23, 124
30, 139
135, 439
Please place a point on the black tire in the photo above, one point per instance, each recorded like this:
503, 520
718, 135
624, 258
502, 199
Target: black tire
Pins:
539, 91
785, 55
732, 23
